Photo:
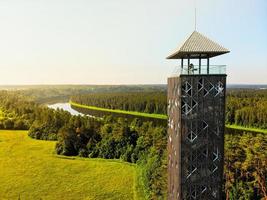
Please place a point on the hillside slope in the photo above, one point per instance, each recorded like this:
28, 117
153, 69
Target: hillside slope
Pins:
29, 169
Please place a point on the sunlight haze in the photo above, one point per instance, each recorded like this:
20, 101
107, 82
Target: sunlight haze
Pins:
123, 41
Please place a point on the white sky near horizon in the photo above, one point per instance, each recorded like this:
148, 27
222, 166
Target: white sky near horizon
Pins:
123, 41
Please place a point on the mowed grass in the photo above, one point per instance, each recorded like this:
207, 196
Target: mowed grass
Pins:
138, 114
242, 128
29, 169
158, 116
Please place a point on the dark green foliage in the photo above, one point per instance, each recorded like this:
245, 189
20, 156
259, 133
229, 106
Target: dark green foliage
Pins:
8, 124
244, 107
20, 124
154, 173
147, 102
78, 134
138, 142
245, 166
43, 131
247, 108
21, 113
68, 142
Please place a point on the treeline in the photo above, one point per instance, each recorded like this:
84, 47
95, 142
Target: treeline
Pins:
247, 108
135, 142
20, 112
243, 107
62, 93
245, 163
12, 115
148, 102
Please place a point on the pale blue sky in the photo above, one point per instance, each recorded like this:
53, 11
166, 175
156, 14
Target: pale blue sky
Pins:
125, 41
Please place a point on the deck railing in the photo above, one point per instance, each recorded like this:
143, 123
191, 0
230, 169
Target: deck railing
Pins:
202, 70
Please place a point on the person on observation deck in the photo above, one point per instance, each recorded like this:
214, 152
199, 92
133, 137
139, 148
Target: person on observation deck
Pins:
191, 69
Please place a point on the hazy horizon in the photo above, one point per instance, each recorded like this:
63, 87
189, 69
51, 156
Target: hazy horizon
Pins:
148, 84
123, 42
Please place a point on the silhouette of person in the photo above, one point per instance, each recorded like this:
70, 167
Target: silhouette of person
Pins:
191, 68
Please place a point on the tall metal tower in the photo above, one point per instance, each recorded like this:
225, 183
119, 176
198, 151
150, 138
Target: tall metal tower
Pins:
196, 107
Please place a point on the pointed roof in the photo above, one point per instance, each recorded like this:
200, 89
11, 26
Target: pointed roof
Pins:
198, 45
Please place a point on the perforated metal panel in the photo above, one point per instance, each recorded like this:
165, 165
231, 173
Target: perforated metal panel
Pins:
196, 106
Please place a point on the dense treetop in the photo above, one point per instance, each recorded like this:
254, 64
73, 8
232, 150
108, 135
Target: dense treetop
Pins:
247, 108
147, 102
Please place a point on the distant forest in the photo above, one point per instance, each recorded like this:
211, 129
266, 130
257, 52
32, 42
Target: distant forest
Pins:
247, 108
147, 102
46, 94
244, 107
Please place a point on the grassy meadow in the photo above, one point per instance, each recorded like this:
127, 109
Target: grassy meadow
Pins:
29, 169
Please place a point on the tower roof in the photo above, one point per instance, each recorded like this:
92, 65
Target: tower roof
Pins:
196, 46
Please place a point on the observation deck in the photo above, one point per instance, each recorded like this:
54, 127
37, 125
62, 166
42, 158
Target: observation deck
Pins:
199, 70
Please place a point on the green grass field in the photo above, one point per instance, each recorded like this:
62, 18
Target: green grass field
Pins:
242, 128
140, 114
29, 169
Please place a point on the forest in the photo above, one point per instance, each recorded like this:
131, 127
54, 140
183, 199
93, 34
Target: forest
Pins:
45, 94
144, 143
147, 102
245, 107
245, 165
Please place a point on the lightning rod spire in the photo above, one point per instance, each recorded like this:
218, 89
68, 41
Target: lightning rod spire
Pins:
195, 15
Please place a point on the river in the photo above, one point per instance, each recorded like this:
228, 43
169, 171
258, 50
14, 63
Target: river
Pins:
66, 107
99, 114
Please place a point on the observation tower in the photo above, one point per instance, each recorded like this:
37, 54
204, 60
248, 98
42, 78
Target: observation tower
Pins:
196, 115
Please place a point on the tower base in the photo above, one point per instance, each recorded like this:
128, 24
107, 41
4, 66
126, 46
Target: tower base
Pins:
196, 109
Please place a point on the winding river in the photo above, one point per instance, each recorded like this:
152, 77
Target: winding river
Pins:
95, 113
66, 107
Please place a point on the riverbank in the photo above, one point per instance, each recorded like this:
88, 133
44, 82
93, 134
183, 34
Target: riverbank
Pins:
243, 128
138, 114
156, 116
